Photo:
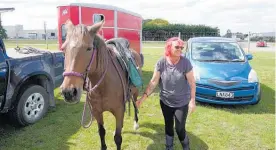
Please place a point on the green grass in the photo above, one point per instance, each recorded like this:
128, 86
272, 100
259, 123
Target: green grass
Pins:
210, 127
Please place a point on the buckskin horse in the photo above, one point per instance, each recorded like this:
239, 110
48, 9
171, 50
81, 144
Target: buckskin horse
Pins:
92, 65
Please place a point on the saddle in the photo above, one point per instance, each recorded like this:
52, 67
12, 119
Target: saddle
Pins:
120, 46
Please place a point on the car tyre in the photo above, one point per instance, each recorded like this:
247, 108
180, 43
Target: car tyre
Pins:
32, 105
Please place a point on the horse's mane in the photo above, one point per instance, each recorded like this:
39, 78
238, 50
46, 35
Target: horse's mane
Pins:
102, 53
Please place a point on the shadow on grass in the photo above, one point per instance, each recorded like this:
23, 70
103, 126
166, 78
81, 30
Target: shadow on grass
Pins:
158, 138
265, 106
51, 132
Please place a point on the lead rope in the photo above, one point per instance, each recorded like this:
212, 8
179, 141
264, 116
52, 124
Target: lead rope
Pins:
88, 88
83, 114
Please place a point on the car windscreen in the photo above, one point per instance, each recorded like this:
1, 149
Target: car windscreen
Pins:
216, 51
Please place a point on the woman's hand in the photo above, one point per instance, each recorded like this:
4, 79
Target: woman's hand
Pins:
140, 100
192, 106
138, 103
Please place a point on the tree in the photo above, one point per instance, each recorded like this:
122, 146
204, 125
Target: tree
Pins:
3, 33
146, 21
158, 22
240, 35
228, 34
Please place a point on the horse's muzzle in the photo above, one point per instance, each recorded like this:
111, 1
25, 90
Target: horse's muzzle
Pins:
71, 95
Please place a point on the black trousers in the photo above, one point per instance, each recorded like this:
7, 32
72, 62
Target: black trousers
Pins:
177, 116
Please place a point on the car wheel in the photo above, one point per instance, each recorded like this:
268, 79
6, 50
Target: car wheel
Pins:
32, 105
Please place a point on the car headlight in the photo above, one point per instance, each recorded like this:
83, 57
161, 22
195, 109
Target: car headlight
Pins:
196, 74
252, 76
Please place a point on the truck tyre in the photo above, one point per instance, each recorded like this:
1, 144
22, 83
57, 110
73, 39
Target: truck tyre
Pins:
32, 105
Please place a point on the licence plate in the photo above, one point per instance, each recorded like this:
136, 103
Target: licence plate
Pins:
225, 94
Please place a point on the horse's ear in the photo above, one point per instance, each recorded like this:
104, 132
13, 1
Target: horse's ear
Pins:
95, 28
69, 25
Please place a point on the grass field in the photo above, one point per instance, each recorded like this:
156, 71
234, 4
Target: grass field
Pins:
211, 127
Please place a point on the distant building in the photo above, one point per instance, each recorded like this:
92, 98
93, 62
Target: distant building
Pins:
39, 34
266, 36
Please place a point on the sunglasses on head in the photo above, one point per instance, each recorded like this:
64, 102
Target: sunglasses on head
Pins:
179, 47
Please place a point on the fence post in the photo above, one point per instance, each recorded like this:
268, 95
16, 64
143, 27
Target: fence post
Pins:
179, 34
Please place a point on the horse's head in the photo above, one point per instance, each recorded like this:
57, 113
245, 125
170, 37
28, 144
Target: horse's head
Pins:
78, 48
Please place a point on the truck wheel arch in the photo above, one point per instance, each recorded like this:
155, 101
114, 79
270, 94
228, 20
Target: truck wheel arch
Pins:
39, 78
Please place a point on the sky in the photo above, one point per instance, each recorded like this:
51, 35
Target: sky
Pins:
237, 15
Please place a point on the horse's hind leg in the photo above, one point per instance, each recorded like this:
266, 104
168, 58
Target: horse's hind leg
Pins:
101, 130
136, 124
119, 115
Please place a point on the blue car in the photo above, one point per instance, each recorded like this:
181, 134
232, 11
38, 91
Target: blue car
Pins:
222, 71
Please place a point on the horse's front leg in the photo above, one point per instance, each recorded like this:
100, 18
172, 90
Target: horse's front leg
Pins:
101, 130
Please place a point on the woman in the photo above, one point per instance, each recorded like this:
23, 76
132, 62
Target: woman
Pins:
174, 74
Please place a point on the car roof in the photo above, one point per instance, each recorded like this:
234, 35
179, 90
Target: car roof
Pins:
211, 39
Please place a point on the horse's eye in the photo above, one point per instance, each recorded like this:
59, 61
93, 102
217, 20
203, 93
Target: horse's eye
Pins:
89, 49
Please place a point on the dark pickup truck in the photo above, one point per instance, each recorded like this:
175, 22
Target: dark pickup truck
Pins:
28, 78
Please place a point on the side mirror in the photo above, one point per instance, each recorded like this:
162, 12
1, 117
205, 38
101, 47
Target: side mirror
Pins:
249, 56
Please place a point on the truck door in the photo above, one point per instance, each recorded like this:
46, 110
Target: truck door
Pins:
3, 75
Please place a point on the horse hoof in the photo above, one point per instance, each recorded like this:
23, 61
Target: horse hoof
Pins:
136, 125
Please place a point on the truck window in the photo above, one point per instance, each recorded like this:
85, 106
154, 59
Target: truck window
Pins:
2, 46
2, 58
98, 18
63, 33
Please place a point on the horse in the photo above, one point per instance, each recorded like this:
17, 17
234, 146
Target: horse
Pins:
92, 65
